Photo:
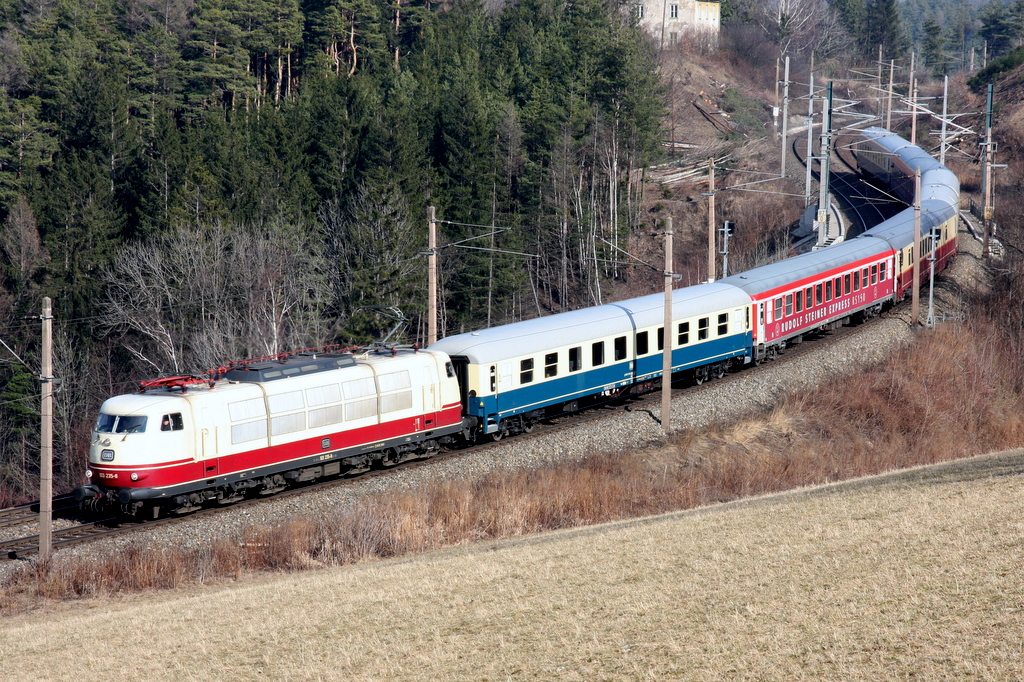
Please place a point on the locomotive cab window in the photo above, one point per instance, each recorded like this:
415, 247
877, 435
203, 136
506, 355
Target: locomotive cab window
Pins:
172, 422
551, 365
684, 333
723, 324
597, 354
575, 359
620, 348
109, 423
702, 328
526, 371
641, 343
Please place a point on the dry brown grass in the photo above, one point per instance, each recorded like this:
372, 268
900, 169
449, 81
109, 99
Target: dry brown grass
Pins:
911, 575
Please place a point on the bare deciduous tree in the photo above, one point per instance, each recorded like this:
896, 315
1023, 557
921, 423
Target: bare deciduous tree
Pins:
203, 296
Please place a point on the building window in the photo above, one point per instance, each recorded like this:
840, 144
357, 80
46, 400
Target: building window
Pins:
640, 11
673, 12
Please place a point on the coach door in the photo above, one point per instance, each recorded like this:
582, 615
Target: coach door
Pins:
760, 322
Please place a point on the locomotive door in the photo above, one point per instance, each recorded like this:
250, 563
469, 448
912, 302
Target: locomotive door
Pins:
207, 451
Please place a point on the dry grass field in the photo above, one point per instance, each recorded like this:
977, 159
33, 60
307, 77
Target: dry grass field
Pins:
918, 574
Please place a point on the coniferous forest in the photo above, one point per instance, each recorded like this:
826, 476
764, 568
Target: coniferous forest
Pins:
196, 181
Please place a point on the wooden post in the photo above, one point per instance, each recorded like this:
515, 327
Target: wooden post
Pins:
711, 219
431, 276
666, 335
46, 437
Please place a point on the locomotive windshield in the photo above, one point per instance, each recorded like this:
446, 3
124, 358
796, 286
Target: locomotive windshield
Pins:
112, 423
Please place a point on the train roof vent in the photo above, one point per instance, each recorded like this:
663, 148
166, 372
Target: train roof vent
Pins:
293, 365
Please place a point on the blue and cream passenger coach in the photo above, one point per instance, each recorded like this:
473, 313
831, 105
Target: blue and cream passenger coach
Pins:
512, 375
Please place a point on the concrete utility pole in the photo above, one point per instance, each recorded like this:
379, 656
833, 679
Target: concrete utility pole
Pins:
878, 85
942, 134
431, 276
666, 334
46, 437
822, 222
986, 177
892, 84
785, 117
810, 134
915, 252
711, 219
913, 111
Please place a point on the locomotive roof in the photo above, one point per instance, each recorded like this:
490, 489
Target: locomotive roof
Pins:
302, 363
785, 273
581, 326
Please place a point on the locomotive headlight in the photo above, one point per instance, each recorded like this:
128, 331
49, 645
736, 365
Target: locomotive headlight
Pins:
88, 473
134, 477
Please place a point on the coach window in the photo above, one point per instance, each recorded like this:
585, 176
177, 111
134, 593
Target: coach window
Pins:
864, 278
597, 354
684, 333
575, 359
881, 272
778, 308
828, 290
846, 284
620, 348
817, 294
641, 343
723, 324
702, 328
661, 338
856, 280
799, 301
789, 305
494, 378
874, 273
526, 371
551, 365
837, 291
